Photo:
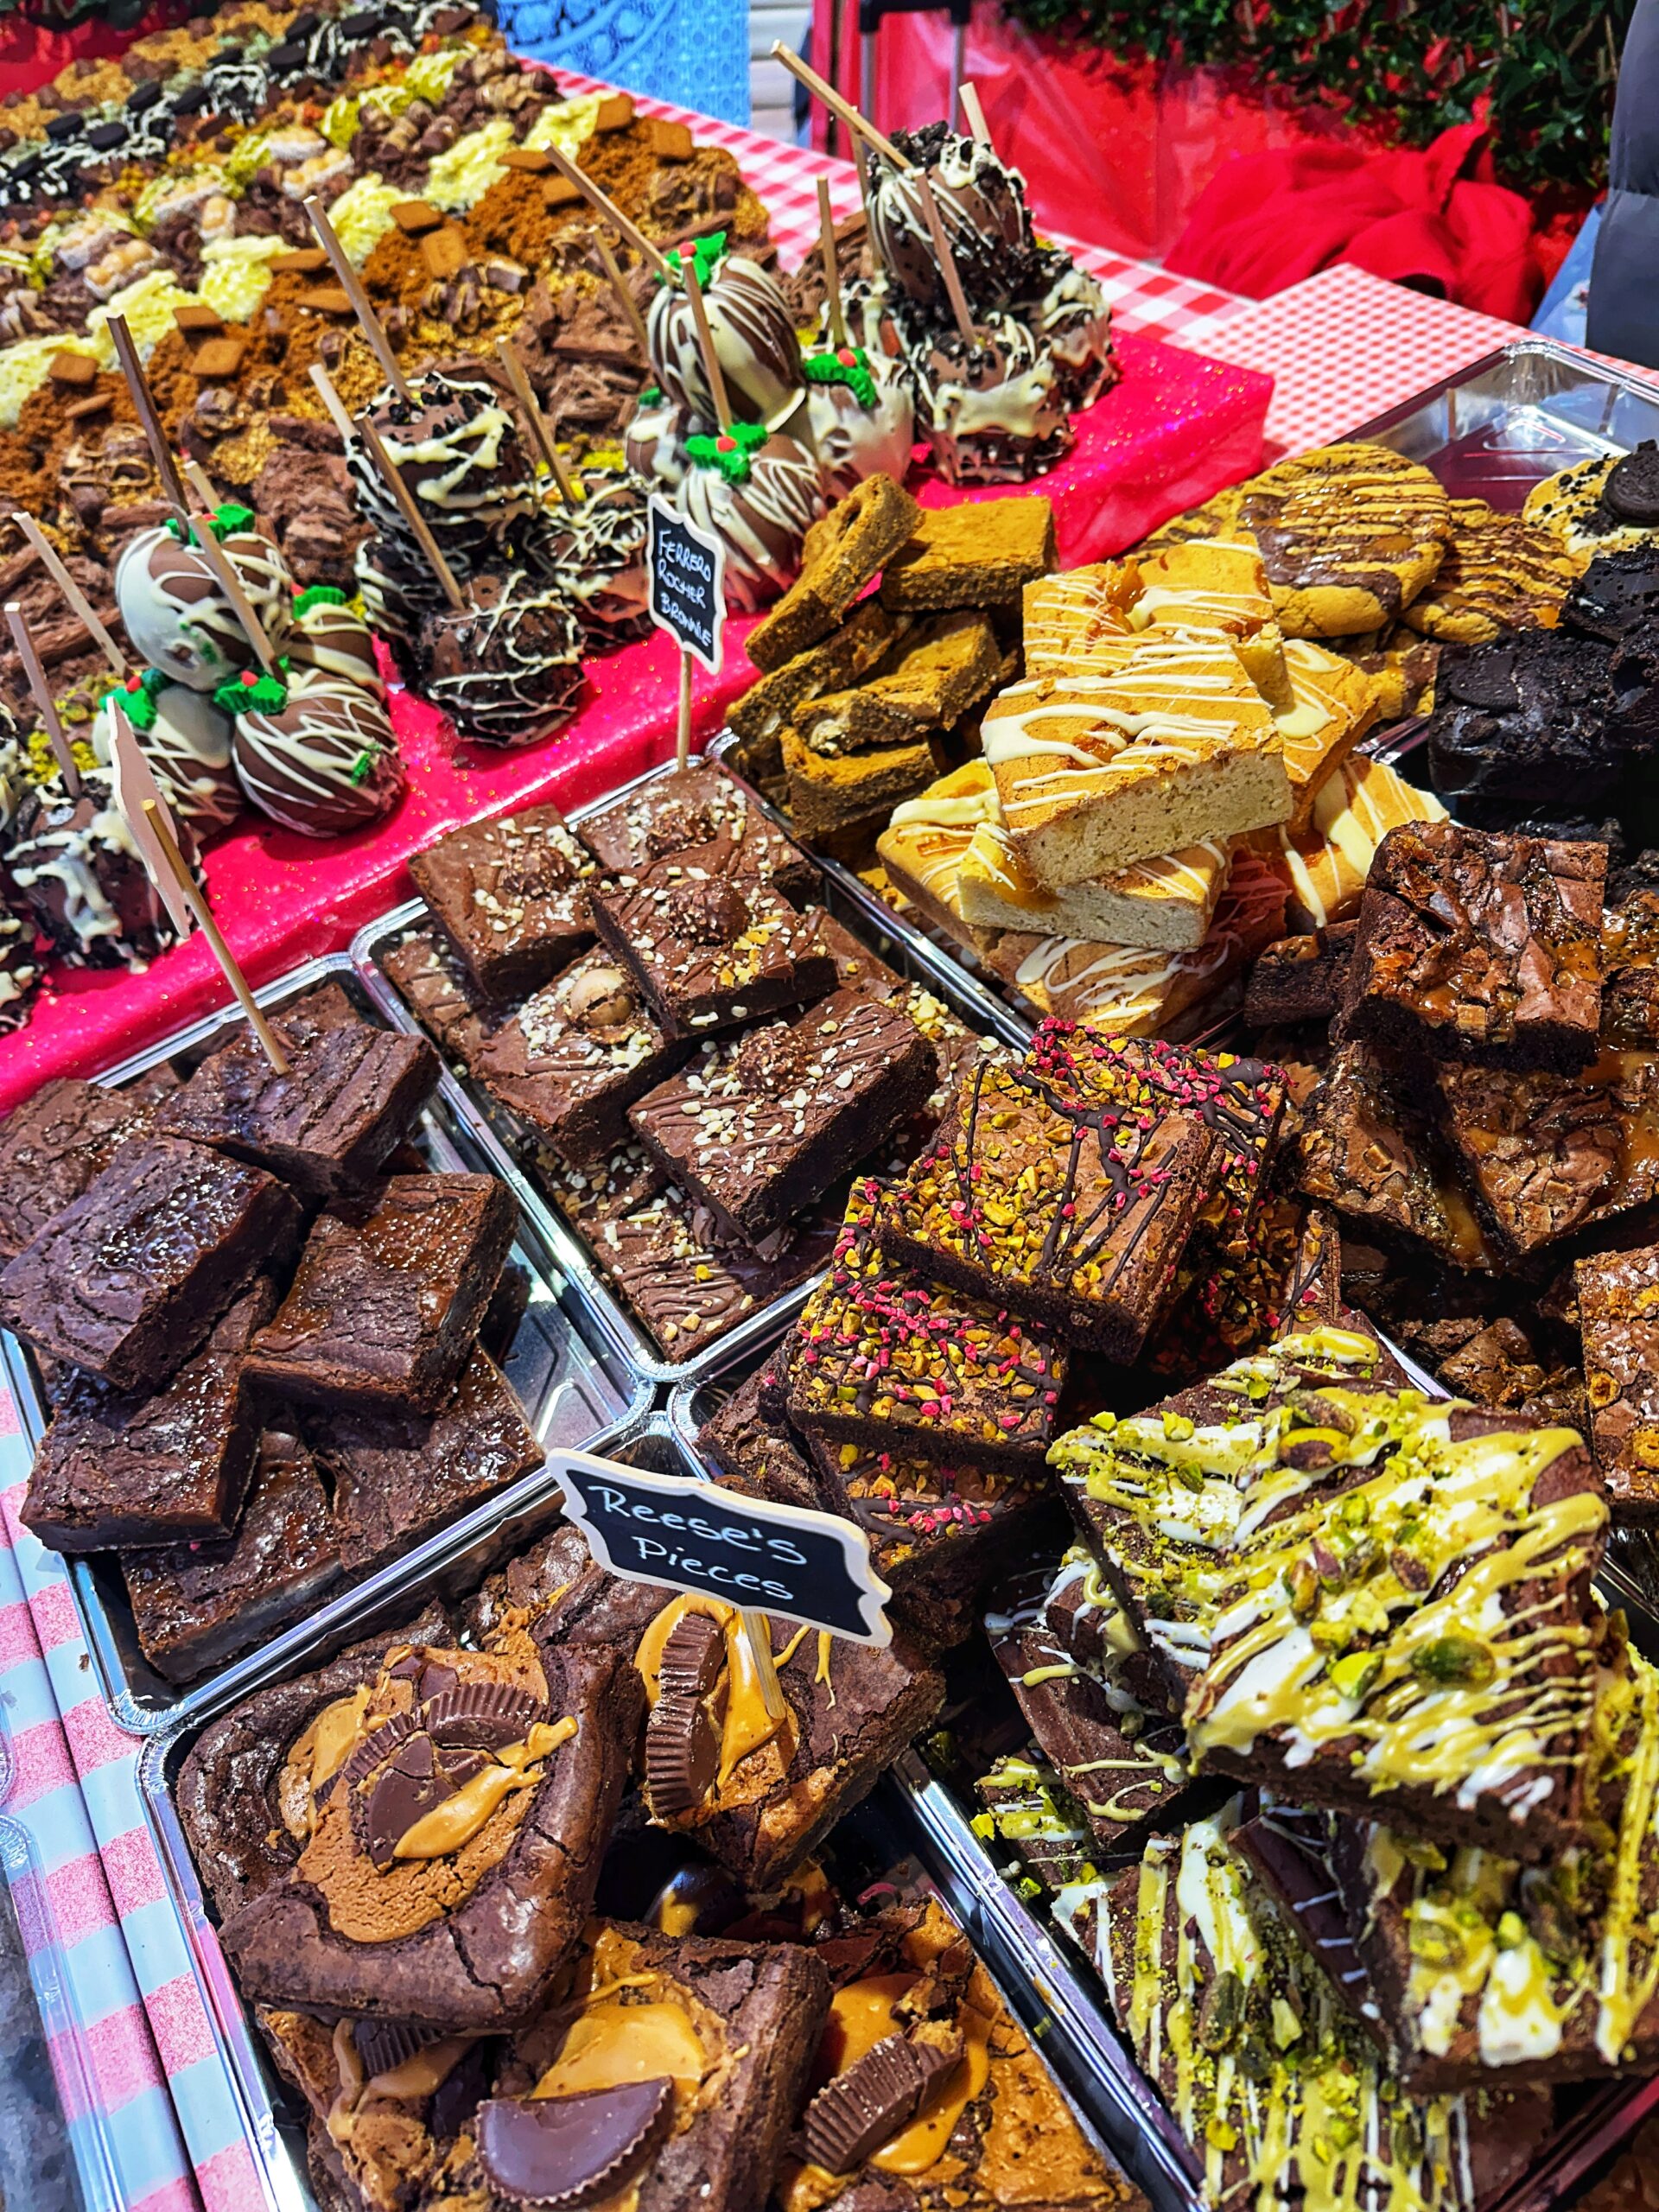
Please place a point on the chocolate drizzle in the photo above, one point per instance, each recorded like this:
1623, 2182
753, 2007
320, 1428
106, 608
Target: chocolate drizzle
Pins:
861, 2109
572, 2151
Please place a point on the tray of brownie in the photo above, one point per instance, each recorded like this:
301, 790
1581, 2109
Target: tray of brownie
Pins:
682, 1035
270, 1354
745, 1966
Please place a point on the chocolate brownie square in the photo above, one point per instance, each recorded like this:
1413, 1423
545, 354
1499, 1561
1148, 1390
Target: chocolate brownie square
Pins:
441, 994
350, 1097
757, 1127
1619, 1314
711, 951
1630, 991
576, 1055
508, 895
1291, 1853
130, 1278
1522, 724
691, 806
1300, 978
1472, 946
197, 1606
54, 1144
1028, 1808
388, 1297
142, 1468
857, 968
757, 1452
438, 1841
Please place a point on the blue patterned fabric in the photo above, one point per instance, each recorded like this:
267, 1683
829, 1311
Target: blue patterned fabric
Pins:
692, 52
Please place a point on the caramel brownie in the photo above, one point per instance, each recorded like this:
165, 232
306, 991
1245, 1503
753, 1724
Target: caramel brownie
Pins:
439, 1832
1618, 1300
130, 1278
693, 806
350, 1096
889, 1361
54, 1144
711, 951
158, 1467
441, 994
576, 1055
388, 1297
1300, 978
725, 2032
1629, 992
842, 552
758, 1128
196, 1606
1476, 947
508, 896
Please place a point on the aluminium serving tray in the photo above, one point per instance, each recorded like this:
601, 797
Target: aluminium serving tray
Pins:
904, 1826
577, 1392
511, 1149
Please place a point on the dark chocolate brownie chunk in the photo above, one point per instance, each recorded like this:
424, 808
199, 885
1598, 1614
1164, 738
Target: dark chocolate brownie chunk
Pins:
757, 1452
440, 994
711, 952
758, 1128
857, 968
1300, 978
53, 1145
1617, 593
1478, 947
1619, 1303
197, 1606
1290, 1851
143, 1468
1522, 724
1629, 993
350, 1096
696, 805
387, 1299
576, 1055
508, 895
1029, 1809
1512, 1366
130, 1278
450, 1828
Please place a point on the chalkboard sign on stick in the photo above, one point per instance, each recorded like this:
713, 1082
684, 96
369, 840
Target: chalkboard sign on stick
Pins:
687, 583
687, 1535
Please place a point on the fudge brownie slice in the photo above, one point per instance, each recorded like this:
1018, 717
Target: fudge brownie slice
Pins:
387, 1299
756, 1451
843, 552
128, 1280
1618, 1313
1523, 723
1472, 946
1292, 1853
54, 1144
1630, 991
158, 1467
1300, 978
508, 895
1507, 1366
758, 1128
889, 1361
576, 1055
441, 994
196, 1606
711, 951
857, 968
350, 1096
450, 1825
692, 806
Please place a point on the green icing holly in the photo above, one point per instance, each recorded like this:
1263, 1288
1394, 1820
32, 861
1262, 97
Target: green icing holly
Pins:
225, 521
250, 691
136, 697
729, 453
849, 365
706, 256
317, 596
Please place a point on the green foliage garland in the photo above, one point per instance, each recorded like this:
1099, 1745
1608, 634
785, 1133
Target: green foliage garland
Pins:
1540, 72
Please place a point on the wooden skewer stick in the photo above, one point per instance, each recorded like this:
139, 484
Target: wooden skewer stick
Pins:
711, 366
608, 208
973, 108
683, 725
849, 114
757, 1630
335, 405
625, 298
133, 783
352, 285
215, 937
369, 440
229, 583
43, 699
202, 485
947, 268
77, 601
144, 401
540, 429
831, 265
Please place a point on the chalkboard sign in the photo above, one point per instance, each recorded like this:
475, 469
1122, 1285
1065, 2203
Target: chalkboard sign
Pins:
687, 583
688, 1535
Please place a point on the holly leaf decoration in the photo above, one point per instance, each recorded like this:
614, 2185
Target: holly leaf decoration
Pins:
848, 365
317, 596
706, 256
252, 692
729, 453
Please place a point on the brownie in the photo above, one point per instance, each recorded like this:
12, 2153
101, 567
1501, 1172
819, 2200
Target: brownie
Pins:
1291, 1853
441, 994
710, 951
1476, 947
1029, 1809
1066, 1187
128, 1280
1522, 724
396, 1909
576, 1055
1508, 1365
757, 1127
399, 1479
350, 1098
152, 1467
1300, 978
508, 897
387, 1299
1619, 593
1630, 991
54, 1144
495, 2126
692, 806
1618, 1298
197, 1606
756, 1451
857, 968
888, 1360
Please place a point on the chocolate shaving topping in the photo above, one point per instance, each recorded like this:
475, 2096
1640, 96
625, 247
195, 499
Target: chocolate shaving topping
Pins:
692, 1657
382, 2045
682, 1755
571, 2150
866, 2106
436, 1678
486, 1714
